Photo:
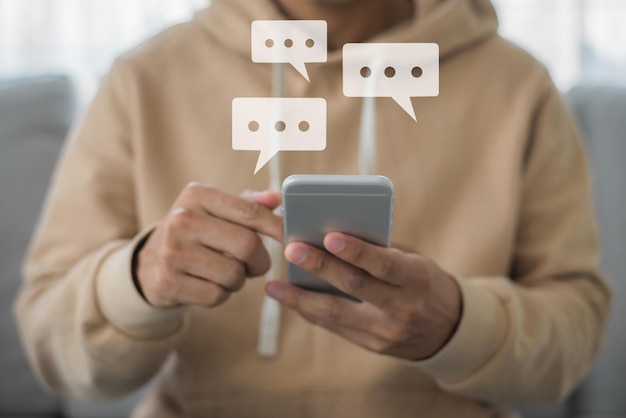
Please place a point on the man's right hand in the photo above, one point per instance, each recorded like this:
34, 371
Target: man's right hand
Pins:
207, 246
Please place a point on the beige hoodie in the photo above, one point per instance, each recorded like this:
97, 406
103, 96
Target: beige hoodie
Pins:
491, 183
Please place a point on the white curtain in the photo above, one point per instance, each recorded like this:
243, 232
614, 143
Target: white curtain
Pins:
578, 40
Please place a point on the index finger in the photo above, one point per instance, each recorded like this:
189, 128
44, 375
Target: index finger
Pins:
238, 210
386, 264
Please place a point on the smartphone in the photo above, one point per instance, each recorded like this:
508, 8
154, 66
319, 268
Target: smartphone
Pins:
314, 205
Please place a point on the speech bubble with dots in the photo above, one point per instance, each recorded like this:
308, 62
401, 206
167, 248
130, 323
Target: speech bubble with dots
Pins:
294, 42
397, 70
270, 125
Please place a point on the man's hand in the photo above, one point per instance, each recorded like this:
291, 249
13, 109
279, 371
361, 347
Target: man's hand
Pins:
410, 307
207, 246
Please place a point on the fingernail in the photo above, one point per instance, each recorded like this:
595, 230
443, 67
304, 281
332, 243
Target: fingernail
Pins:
296, 254
276, 290
335, 243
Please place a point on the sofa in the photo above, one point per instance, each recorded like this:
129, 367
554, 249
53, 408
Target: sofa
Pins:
35, 116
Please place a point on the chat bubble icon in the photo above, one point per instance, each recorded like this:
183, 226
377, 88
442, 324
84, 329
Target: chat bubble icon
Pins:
271, 125
398, 70
294, 42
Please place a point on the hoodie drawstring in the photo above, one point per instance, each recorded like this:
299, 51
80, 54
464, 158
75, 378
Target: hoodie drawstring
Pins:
367, 136
269, 327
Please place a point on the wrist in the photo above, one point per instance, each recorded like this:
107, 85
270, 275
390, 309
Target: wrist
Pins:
120, 301
445, 309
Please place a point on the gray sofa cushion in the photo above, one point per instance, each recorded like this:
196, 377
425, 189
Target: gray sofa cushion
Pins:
601, 113
35, 116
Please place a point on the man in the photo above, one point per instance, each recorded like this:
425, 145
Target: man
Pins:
493, 299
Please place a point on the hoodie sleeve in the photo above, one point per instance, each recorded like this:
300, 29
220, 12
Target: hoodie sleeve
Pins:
87, 331
534, 335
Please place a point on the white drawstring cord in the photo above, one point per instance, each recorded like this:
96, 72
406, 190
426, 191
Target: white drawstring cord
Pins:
367, 136
368, 126
269, 327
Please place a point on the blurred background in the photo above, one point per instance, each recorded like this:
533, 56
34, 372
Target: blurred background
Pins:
579, 40
53, 54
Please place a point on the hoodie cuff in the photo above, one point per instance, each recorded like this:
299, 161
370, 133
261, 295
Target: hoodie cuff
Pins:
481, 332
123, 305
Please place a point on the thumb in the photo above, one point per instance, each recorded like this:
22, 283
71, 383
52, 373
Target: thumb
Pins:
268, 198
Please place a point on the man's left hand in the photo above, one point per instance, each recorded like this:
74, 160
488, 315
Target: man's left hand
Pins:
410, 307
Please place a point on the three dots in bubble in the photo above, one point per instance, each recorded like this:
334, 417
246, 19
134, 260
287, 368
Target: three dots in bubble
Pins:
310, 43
390, 72
279, 126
